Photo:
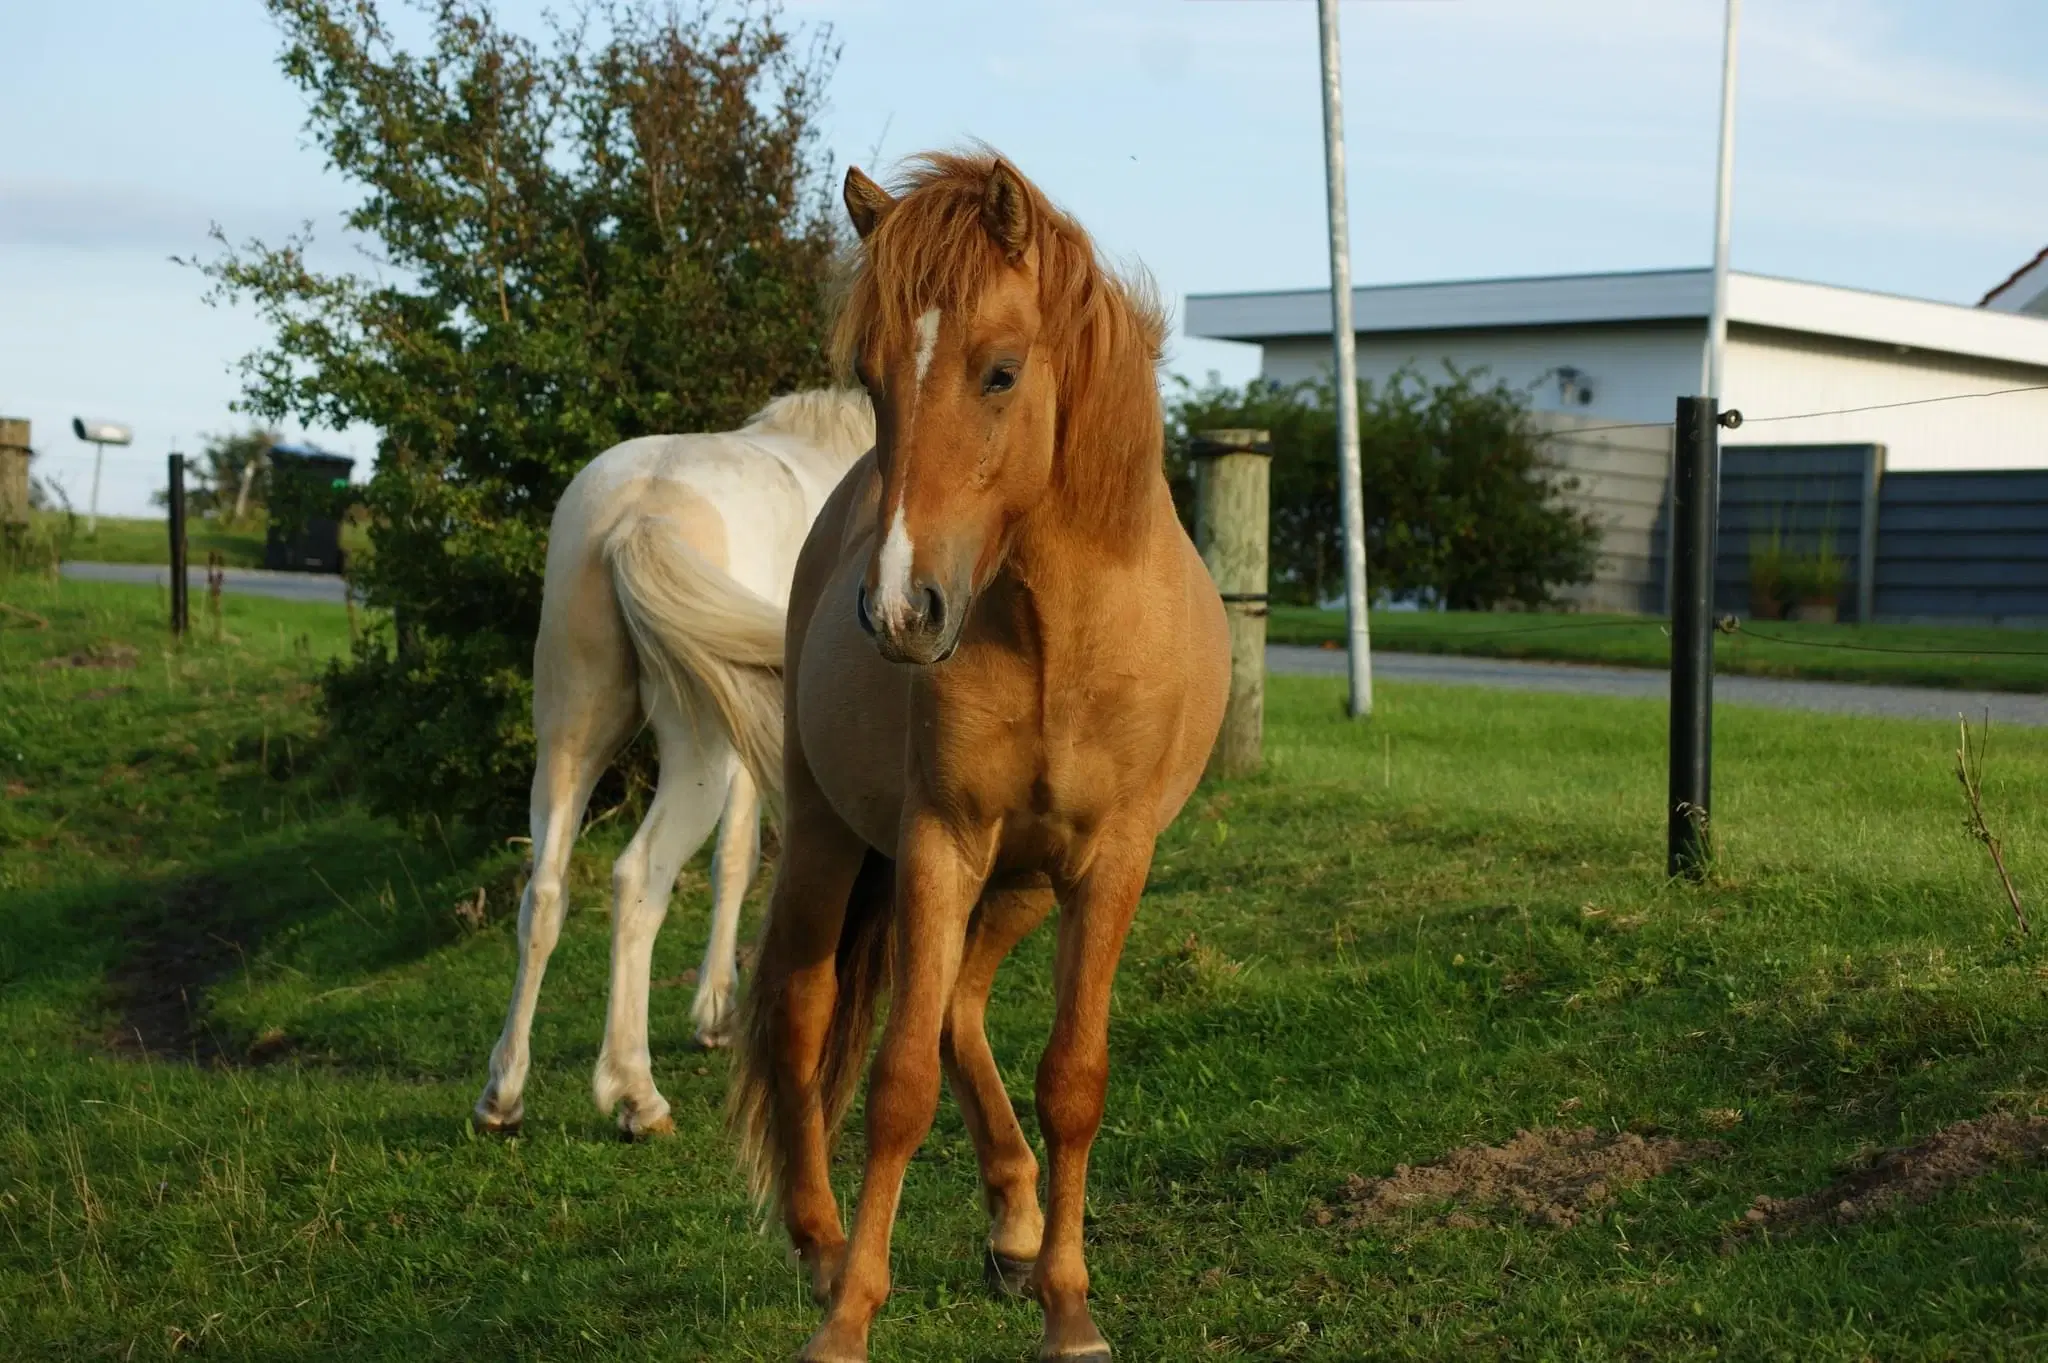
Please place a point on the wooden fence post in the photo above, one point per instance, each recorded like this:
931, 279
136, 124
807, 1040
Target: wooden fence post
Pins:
1233, 474
14, 453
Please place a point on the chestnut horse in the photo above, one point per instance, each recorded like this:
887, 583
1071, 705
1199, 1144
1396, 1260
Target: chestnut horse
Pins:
1005, 669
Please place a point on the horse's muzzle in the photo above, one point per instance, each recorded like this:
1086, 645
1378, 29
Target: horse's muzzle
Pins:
922, 630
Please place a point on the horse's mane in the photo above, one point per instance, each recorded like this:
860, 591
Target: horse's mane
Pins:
931, 250
838, 419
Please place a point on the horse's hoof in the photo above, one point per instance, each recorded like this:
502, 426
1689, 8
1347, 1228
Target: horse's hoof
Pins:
488, 1121
1010, 1277
717, 1040
1097, 1352
656, 1123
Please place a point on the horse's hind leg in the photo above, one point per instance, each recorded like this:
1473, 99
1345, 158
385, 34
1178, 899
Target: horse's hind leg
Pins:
696, 768
732, 869
1009, 1171
574, 748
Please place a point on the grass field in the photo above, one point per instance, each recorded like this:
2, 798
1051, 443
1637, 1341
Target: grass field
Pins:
1406, 937
1907, 655
133, 540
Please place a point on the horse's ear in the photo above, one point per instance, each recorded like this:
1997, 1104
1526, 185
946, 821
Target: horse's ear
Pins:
867, 203
1006, 210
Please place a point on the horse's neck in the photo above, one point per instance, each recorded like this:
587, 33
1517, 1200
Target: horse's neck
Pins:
1065, 557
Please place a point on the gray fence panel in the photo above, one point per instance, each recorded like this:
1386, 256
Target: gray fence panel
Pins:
1808, 495
1964, 546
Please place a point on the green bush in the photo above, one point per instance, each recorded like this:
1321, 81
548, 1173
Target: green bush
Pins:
620, 232
1462, 504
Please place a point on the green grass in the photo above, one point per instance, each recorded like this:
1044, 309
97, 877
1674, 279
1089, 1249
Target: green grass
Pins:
1979, 658
1413, 934
134, 540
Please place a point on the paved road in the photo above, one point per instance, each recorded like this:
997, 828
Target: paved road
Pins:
1847, 698
248, 581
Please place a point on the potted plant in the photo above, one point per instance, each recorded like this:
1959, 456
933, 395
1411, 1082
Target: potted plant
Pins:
1813, 582
1767, 574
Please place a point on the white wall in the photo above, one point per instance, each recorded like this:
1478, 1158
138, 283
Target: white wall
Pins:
1637, 372
1774, 373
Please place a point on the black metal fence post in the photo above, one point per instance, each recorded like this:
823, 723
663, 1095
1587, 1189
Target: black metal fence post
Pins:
177, 499
1696, 482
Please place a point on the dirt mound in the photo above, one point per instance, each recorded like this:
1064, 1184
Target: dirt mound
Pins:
1912, 1174
1547, 1176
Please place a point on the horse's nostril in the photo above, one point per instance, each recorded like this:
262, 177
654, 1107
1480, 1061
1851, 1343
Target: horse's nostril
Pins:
860, 609
934, 608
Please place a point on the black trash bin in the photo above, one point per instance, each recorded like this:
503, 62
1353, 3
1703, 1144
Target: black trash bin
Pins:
316, 545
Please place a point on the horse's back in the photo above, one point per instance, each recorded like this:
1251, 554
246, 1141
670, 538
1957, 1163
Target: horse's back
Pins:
743, 499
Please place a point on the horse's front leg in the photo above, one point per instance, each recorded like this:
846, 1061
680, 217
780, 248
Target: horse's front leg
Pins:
1073, 1076
937, 883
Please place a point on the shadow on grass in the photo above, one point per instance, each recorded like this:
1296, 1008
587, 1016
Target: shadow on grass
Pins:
160, 945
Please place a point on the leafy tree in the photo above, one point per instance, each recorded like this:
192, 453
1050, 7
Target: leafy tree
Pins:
1461, 503
621, 229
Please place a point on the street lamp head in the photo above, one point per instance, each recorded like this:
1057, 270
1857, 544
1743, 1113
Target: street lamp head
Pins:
101, 432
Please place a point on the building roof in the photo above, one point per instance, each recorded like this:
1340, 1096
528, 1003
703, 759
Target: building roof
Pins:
1645, 296
2024, 290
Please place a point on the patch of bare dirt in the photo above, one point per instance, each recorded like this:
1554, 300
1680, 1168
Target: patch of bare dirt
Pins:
160, 984
120, 657
1549, 1177
1911, 1174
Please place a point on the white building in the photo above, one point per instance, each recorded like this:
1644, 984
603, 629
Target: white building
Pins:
1624, 347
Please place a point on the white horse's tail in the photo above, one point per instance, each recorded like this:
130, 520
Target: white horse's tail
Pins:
690, 619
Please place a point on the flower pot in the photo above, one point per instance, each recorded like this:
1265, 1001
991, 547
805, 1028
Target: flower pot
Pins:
1820, 611
1764, 604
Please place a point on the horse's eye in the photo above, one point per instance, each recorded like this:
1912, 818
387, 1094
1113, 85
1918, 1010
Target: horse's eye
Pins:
1001, 379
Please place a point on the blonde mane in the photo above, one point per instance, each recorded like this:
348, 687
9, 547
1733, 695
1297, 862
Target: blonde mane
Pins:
837, 419
1106, 330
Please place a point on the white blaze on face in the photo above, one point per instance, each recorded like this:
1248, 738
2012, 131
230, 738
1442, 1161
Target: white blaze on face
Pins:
892, 574
927, 338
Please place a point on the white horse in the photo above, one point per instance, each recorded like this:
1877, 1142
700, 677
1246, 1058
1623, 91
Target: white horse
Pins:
669, 564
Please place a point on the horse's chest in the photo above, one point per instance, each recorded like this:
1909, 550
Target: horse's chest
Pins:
1047, 775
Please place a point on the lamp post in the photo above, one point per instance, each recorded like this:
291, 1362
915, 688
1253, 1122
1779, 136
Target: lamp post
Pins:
1351, 496
99, 434
1724, 185
1358, 627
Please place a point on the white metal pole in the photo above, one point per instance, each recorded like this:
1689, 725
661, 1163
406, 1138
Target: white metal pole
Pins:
1717, 320
92, 508
1351, 495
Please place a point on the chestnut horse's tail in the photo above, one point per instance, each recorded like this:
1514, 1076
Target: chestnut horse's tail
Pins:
689, 619
860, 971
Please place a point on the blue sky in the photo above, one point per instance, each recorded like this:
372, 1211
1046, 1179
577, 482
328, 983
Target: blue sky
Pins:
1899, 145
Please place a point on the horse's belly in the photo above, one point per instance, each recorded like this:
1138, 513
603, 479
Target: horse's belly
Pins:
852, 715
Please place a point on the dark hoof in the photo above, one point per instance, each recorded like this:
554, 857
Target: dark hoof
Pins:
1010, 1277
